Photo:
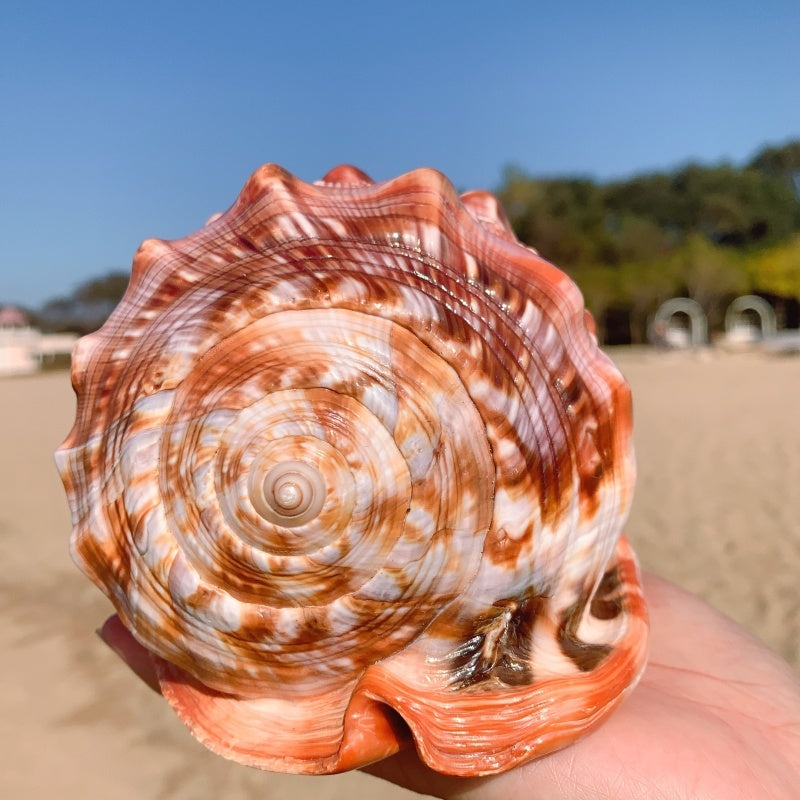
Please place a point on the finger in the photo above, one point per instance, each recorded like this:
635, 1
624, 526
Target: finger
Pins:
120, 640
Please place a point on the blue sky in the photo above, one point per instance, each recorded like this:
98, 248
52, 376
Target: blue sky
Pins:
120, 121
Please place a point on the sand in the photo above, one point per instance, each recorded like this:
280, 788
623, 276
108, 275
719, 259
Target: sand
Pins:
716, 510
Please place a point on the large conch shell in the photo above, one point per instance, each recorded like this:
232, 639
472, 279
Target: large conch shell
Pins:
349, 462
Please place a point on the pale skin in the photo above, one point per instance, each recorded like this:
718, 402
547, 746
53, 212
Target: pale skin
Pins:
716, 716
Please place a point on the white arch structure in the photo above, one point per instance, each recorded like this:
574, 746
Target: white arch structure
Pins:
698, 324
736, 325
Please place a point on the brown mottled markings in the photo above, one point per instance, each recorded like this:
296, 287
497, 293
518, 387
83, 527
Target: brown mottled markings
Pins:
499, 645
590, 467
504, 550
119, 558
510, 325
585, 655
570, 388
587, 426
608, 601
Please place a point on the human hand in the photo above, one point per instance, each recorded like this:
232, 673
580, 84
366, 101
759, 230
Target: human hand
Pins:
715, 716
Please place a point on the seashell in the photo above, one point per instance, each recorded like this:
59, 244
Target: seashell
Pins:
349, 463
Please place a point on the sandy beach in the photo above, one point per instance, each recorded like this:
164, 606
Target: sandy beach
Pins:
716, 510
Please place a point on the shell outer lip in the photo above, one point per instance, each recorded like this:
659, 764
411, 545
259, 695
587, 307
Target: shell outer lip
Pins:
382, 718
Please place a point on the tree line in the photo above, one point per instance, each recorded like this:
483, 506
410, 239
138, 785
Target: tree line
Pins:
706, 232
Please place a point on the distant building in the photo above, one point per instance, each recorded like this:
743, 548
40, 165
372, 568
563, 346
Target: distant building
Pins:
11, 317
23, 348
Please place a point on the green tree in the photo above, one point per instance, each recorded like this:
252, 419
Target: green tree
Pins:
563, 218
600, 288
777, 269
707, 231
86, 308
782, 162
712, 275
109, 288
644, 286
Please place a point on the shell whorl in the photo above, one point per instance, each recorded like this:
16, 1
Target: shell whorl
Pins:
331, 445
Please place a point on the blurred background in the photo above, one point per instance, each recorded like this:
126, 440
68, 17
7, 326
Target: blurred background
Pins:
652, 153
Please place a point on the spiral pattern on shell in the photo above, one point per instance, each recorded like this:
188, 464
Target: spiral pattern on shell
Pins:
349, 447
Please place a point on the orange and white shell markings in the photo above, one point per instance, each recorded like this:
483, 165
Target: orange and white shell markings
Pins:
349, 463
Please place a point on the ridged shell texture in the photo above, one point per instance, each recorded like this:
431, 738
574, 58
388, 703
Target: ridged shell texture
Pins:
349, 463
